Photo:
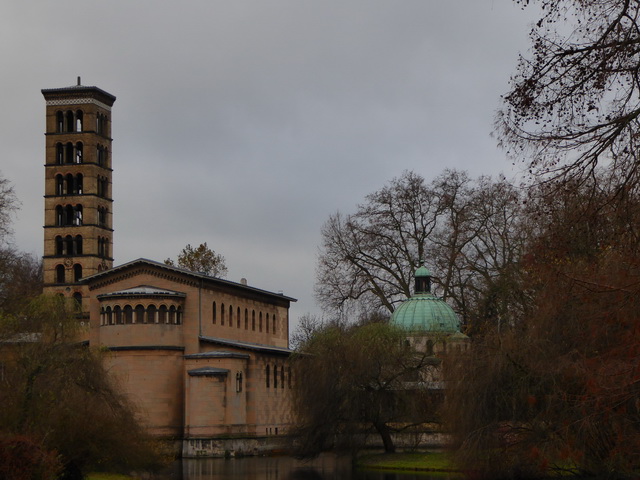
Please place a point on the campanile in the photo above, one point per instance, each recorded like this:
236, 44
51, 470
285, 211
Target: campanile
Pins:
78, 228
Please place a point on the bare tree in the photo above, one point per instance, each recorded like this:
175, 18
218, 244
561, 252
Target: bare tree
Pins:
9, 205
20, 280
466, 230
575, 104
201, 259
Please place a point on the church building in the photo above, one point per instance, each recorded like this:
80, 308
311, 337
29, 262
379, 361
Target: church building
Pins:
204, 359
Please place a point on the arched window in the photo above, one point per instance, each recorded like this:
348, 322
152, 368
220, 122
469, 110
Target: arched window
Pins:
102, 216
253, 320
59, 246
179, 316
59, 154
77, 215
68, 153
222, 314
59, 273
275, 376
59, 216
109, 318
69, 124
162, 314
68, 185
101, 124
68, 245
77, 272
266, 322
79, 118
79, 184
139, 314
128, 314
267, 372
260, 322
230, 316
274, 323
78, 155
215, 313
238, 317
246, 319
117, 313
59, 185
102, 186
172, 315
78, 245
68, 216
151, 314
59, 122
99, 154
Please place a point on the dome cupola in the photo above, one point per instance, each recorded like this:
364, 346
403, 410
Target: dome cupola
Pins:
424, 312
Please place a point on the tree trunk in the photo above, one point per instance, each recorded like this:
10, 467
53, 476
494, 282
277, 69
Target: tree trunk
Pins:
385, 434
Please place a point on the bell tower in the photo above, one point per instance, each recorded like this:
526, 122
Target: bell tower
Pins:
78, 228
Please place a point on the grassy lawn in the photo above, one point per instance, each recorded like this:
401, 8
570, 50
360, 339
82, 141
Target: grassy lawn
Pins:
429, 461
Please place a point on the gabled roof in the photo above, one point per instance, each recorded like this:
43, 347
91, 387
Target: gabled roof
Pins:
256, 347
144, 290
182, 271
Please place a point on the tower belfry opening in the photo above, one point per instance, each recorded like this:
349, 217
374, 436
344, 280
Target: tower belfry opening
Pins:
78, 222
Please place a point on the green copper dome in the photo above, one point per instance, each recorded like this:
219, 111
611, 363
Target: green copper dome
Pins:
424, 311
422, 272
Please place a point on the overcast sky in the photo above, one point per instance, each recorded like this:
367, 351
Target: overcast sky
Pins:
246, 123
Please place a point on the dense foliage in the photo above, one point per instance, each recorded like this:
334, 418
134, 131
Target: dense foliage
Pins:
55, 392
60, 414
562, 389
200, 259
357, 381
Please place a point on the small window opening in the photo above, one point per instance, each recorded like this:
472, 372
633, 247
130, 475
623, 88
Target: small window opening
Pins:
151, 314
77, 272
59, 273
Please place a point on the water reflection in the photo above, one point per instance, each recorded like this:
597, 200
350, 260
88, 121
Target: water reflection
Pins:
325, 467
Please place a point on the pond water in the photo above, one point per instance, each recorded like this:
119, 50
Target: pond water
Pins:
325, 467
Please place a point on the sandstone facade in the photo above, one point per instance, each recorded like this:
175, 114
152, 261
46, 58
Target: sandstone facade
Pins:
204, 359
